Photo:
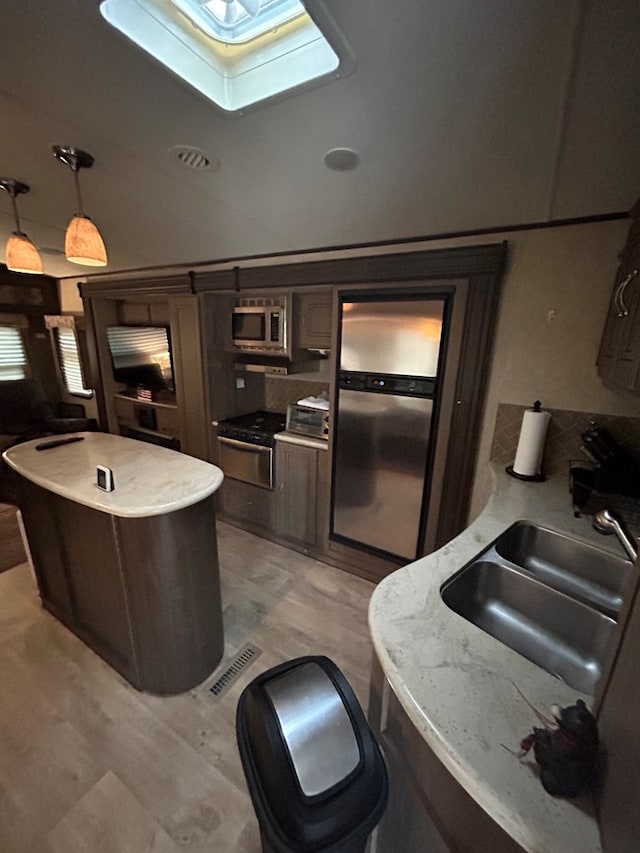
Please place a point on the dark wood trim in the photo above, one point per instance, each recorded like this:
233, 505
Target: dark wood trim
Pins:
400, 267
124, 286
471, 382
373, 244
216, 280
91, 341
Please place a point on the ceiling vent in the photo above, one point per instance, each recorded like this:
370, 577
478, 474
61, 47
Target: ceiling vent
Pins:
193, 158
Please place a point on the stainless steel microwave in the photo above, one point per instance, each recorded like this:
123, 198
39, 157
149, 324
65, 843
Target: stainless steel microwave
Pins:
260, 328
305, 420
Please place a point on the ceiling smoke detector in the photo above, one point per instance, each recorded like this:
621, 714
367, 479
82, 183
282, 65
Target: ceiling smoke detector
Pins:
193, 158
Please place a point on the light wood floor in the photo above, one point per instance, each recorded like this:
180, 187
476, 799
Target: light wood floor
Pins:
89, 764
11, 547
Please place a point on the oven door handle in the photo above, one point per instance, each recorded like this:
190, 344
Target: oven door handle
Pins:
243, 445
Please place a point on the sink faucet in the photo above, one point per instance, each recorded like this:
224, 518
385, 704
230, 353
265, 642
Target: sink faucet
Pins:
608, 522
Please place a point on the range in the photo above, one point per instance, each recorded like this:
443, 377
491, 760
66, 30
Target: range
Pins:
246, 446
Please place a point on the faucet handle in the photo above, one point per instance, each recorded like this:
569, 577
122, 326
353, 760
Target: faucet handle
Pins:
608, 522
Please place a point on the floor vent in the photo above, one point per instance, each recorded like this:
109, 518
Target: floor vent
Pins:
242, 660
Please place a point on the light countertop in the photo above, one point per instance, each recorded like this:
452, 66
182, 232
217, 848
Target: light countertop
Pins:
149, 480
457, 684
302, 440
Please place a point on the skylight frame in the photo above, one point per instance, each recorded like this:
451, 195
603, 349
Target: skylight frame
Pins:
272, 14
304, 52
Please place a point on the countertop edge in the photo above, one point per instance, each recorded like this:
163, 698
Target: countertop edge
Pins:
391, 621
302, 440
106, 501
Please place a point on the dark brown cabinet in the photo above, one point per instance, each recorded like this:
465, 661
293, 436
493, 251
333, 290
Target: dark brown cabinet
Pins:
618, 725
181, 419
313, 319
97, 590
428, 808
144, 313
302, 494
251, 506
619, 356
142, 592
297, 486
153, 418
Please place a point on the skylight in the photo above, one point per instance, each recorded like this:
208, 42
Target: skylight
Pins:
239, 21
236, 52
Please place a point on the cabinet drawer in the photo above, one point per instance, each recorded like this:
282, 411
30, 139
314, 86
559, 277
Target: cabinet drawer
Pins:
248, 504
167, 420
124, 408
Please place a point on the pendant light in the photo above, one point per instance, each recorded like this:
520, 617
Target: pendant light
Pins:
83, 243
21, 254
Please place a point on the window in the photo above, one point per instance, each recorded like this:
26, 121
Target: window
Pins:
70, 362
236, 52
64, 331
13, 358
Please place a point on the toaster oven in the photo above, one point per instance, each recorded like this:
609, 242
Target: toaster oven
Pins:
308, 420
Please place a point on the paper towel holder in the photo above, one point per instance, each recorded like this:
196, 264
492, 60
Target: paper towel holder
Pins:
530, 478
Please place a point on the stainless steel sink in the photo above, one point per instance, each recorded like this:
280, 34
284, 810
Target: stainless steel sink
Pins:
583, 571
548, 597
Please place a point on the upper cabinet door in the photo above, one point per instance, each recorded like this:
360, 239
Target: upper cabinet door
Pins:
619, 356
314, 315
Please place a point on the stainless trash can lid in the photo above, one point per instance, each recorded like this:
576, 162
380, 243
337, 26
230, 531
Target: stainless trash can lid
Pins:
315, 726
274, 727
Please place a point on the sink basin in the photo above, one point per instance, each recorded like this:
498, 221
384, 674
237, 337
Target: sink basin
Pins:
562, 635
583, 571
548, 597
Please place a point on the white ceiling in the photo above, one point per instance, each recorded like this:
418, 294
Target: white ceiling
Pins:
466, 114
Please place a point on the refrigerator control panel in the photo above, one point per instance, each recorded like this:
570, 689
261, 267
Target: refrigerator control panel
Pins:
418, 386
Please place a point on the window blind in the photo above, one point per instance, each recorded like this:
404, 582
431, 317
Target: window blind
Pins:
137, 344
13, 358
70, 362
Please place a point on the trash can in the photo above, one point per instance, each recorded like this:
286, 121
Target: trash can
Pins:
314, 770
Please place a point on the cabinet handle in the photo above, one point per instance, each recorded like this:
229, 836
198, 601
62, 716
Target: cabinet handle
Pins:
618, 300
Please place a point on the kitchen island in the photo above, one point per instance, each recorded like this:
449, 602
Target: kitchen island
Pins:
444, 686
133, 572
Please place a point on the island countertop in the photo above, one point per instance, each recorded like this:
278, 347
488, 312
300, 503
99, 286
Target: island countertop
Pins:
460, 687
149, 480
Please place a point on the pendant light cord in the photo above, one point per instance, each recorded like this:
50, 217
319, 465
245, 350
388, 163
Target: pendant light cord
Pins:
77, 181
15, 212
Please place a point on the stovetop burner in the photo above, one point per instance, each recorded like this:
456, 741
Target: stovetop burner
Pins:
254, 427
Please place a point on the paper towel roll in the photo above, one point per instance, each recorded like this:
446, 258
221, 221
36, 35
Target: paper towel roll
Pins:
533, 431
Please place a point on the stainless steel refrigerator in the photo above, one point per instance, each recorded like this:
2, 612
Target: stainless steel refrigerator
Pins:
389, 360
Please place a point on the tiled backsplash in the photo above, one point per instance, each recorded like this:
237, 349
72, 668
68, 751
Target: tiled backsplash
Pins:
281, 392
563, 440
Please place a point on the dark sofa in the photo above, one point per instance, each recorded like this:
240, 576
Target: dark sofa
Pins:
26, 414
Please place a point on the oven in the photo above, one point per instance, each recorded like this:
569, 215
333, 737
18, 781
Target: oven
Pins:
246, 447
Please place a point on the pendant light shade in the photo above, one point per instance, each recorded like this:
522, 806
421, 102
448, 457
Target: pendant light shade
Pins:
83, 243
21, 254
